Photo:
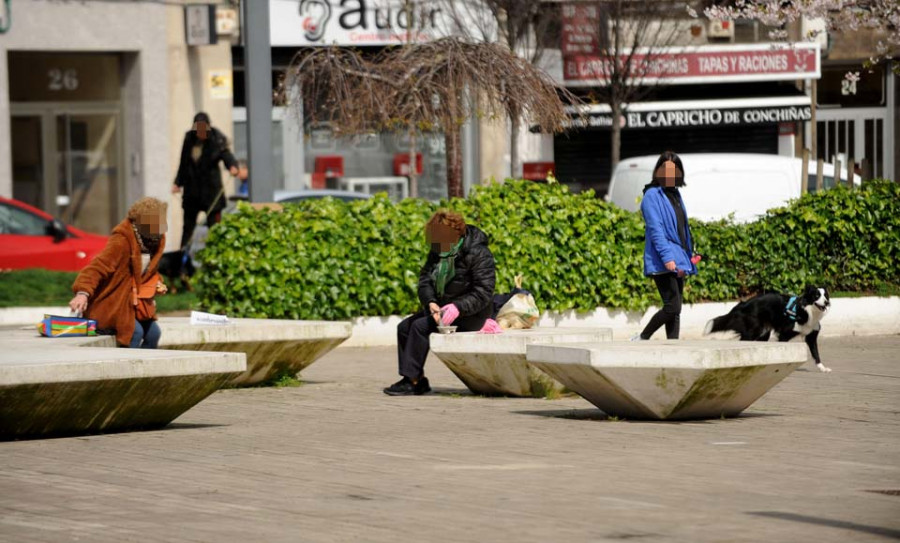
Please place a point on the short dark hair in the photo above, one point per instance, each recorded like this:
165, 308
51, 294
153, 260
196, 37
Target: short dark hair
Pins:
202, 116
669, 156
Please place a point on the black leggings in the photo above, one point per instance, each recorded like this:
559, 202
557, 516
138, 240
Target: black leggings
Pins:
671, 289
190, 222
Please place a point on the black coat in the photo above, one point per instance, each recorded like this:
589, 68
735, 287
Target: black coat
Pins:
201, 181
472, 288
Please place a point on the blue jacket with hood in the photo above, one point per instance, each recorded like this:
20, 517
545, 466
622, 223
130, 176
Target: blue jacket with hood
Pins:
661, 241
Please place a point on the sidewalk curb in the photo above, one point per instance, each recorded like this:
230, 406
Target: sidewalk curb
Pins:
847, 317
867, 316
21, 316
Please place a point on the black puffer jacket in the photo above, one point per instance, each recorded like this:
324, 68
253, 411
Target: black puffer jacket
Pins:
202, 180
472, 288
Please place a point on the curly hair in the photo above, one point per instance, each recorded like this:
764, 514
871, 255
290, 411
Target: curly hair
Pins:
146, 206
447, 218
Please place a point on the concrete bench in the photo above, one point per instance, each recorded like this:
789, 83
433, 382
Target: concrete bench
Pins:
82, 385
670, 379
495, 364
272, 346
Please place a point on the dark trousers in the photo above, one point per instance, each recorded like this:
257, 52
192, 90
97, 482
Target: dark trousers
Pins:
190, 222
413, 342
671, 289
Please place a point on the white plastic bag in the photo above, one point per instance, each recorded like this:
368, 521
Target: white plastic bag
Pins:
520, 312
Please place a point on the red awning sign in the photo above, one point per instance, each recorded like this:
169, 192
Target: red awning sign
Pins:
701, 64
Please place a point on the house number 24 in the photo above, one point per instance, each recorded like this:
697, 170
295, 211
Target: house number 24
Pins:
62, 79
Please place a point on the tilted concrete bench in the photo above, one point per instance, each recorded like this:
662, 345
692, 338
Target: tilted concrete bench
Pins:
82, 385
670, 379
495, 364
272, 346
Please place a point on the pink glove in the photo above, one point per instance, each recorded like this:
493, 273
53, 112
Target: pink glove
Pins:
449, 313
695, 259
491, 327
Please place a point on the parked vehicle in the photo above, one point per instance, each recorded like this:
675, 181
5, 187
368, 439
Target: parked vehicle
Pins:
294, 196
720, 184
30, 238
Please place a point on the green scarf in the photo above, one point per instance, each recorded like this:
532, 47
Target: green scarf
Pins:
445, 270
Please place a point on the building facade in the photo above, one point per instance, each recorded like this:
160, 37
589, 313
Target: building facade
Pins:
723, 87
95, 98
369, 26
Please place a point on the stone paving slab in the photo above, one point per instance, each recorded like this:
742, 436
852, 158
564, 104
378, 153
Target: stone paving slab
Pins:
671, 380
337, 460
495, 364
272, 346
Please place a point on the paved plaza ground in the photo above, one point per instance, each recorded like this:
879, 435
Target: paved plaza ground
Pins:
337, 460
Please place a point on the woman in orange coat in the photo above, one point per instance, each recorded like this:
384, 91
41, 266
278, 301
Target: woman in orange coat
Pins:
117, 288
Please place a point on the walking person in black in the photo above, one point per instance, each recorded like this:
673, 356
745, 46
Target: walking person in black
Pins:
668, 246
199, 176
456, 286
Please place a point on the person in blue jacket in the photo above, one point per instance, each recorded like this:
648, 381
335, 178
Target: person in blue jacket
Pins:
668, 246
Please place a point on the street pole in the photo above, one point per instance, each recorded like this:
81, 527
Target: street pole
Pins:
813, 127
258, 90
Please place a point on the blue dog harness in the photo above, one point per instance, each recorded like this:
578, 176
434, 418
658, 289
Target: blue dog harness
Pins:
790, 310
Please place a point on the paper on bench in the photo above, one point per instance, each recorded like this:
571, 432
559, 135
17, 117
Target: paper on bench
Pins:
199, 317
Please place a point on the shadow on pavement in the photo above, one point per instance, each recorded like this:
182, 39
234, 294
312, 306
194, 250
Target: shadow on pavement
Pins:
596, 414
190, 426
875, 530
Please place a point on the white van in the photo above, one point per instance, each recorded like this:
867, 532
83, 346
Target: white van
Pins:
717, 184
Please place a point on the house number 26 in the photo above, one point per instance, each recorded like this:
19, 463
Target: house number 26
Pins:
62, 79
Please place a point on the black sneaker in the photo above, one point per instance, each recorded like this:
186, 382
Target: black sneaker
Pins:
405, 387
422, 387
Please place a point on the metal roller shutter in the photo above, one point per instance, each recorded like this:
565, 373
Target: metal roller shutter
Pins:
583, 162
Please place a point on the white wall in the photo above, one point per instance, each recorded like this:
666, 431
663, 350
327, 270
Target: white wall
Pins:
847, 317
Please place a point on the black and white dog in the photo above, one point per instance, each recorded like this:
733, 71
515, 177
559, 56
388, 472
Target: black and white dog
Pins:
787, 316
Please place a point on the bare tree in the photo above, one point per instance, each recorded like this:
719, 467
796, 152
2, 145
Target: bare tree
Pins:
631, 39
434, 85
526, 27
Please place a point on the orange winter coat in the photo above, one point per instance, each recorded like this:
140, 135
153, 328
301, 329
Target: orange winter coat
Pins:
110, 278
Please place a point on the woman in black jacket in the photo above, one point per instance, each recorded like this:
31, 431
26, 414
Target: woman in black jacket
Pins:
456, 286
199, 176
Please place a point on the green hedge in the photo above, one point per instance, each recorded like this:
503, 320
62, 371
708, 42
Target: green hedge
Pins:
326, 259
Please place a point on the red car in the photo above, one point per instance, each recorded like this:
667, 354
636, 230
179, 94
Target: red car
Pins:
30, 238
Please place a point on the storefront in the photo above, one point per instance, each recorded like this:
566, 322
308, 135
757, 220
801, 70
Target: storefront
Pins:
694, 99
369, 25
855, 117
66, 132
765, 124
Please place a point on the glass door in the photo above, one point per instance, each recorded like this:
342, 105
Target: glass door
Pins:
87, 170
66, 162
27, 160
